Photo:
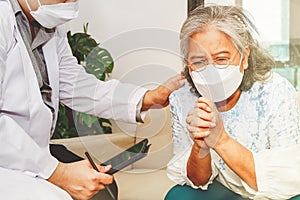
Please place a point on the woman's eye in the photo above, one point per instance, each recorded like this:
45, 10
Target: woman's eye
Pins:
221, 60
200, 63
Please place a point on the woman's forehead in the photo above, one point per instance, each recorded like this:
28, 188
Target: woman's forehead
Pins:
210, 41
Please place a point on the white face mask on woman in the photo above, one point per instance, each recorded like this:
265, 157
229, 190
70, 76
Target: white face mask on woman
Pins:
217, 83
50, 16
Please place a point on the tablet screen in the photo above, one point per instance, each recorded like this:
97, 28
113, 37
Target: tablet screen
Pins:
128, 157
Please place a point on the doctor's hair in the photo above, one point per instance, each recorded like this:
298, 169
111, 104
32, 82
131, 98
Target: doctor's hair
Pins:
234, 22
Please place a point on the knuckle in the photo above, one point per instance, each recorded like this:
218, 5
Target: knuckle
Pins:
111, 179
90, 194
101, 187
93, 179
92, 187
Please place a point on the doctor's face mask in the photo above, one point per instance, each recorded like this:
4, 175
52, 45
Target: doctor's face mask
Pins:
50, 16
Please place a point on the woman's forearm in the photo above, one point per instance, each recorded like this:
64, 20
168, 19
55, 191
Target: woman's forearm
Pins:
238, 158
199, 166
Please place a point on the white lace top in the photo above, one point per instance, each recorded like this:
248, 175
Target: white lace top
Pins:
266, 121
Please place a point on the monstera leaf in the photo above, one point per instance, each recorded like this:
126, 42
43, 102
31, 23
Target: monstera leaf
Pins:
81, 44
96, 60
99, 62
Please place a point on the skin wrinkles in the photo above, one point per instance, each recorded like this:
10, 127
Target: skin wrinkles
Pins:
205, 125
215, 43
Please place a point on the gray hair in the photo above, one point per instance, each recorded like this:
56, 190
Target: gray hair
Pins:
233, 22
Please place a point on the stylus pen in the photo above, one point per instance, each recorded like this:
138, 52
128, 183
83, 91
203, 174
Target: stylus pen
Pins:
96, 168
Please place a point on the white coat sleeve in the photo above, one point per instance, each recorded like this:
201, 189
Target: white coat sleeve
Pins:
182, 143
85, 93
18, 151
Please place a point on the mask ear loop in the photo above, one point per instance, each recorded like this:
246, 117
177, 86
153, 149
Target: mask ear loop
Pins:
29, 6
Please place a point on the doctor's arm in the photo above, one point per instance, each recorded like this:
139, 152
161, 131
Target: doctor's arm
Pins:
110, 99
20, 152
17, 149
159, 97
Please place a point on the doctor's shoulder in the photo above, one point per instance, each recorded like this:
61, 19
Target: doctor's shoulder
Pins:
7, 15
7, 25
61, 31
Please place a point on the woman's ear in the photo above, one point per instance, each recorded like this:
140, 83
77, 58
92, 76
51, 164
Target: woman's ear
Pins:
245, 59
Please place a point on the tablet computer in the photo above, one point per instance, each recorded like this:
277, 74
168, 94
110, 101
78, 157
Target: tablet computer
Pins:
128, 157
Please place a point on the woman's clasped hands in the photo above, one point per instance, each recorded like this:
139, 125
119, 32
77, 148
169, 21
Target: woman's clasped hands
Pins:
205, 125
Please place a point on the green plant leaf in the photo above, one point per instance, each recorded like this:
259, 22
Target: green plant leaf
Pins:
102, 120
87, 120
99, 63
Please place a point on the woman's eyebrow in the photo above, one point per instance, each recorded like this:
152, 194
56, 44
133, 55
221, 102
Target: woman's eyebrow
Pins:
197, 56
201, 56
221, 52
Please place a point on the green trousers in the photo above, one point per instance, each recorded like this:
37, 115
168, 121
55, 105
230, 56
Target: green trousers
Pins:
216, 191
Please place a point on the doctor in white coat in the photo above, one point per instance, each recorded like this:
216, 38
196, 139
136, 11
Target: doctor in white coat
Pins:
30, 95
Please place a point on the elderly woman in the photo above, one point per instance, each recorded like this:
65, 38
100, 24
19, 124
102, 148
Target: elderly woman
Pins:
236, 123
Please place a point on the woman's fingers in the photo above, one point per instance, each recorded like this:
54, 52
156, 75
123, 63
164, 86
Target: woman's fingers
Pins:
200, 113
200, 118
206, 101
199, 135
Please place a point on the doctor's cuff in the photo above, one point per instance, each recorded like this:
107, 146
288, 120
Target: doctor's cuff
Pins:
46, 166
140, 115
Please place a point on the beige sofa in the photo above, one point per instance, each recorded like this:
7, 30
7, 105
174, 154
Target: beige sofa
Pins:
147, 179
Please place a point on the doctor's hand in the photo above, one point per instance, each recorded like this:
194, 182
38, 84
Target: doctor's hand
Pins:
80, 180
159, 97
204, 124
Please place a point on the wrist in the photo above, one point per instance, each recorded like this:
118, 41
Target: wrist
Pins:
57, 175
146, 101
156, 98
200, 151
223, 142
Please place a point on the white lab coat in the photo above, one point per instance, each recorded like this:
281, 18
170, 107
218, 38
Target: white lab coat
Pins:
26, 123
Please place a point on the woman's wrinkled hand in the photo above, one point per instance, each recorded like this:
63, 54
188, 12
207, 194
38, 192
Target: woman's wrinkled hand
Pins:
204, 124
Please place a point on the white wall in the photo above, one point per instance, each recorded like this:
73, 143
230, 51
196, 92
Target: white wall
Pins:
143, 38
136, 33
